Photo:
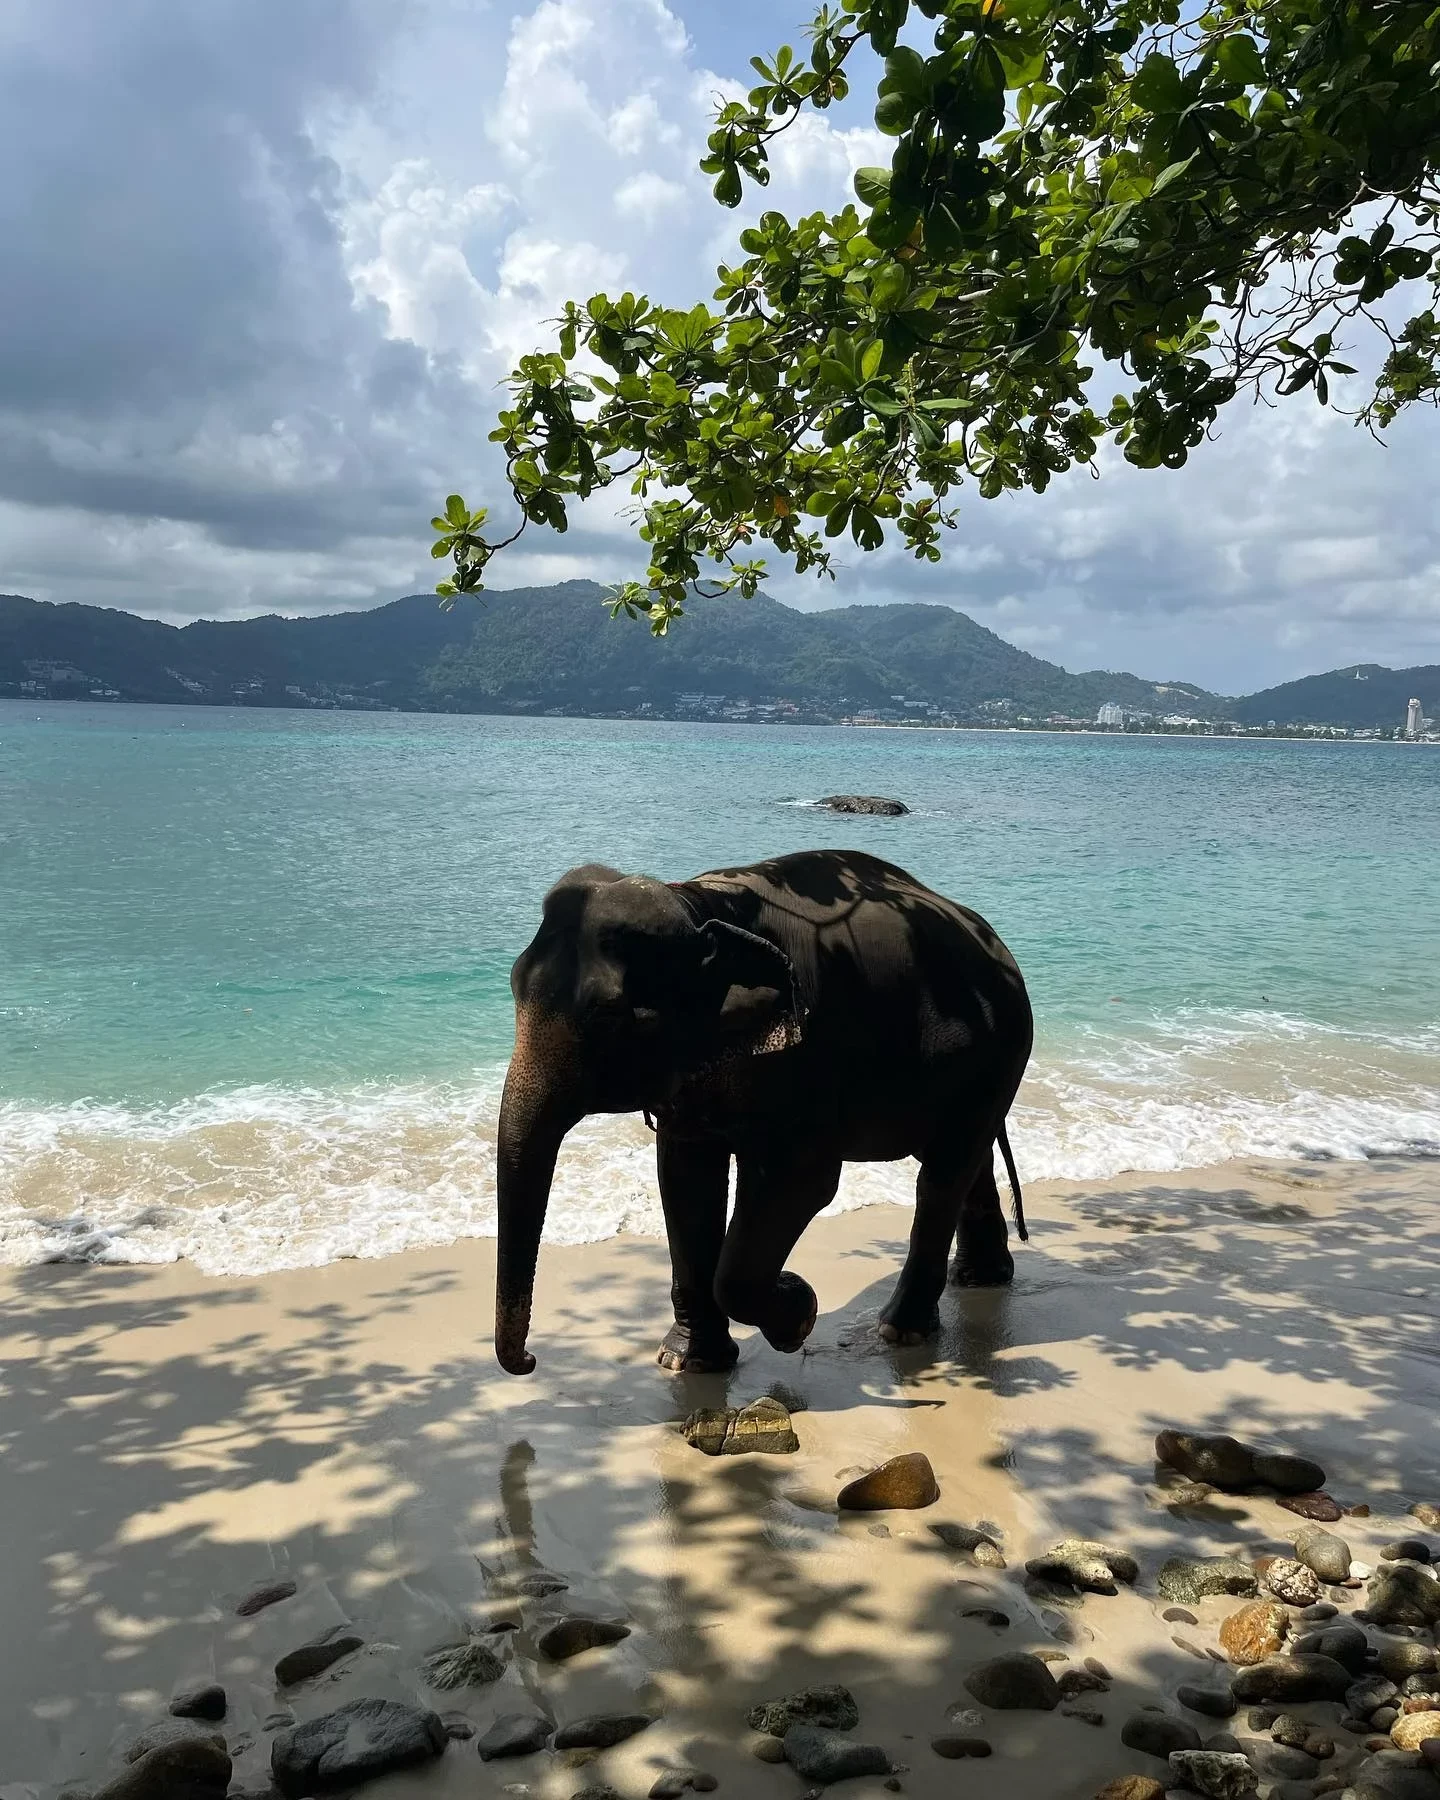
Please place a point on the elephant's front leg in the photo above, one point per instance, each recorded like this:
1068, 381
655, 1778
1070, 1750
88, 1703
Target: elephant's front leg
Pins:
694, 1188
777, 1194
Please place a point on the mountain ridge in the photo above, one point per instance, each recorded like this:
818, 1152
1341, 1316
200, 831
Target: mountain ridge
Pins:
555, 649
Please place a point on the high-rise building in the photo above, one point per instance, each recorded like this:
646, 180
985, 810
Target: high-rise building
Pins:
1414, 720
1110, 714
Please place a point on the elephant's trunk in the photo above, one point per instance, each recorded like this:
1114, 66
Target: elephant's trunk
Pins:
538, 1108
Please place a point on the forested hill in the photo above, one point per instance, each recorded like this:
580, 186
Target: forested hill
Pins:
556, 648
545, 648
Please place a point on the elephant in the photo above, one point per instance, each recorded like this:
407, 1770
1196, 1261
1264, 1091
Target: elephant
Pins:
794, 1014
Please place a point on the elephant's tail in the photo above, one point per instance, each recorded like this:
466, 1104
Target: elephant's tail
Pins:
1016, 1199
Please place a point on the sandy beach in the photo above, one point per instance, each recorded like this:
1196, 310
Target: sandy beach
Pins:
168, 1441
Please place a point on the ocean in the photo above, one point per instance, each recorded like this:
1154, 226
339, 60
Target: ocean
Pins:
254, 966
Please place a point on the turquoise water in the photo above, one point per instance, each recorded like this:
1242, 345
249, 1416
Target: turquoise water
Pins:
254, 1000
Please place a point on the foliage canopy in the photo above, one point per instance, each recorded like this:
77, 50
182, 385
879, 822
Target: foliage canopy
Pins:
1206, 201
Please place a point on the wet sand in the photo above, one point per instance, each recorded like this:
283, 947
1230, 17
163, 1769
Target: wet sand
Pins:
168, 1440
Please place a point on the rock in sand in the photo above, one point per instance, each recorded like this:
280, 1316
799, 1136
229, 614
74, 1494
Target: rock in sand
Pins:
1254, 1632
1190, 1579
1015, 1683
1293, 1680
1402, 1594
1406, 1550
199, 1700
762, 1428
320, 1653
1411, 1730
1133, 1787
827, 1756
905, 1481
1403, 1657
832, 1708
600, 1731
1077, 1562
979, 1546
1217, 1774
1226, 1463
1214, 1703
191, 1767
267, 1593
1327, 1555
572, 1636
1158, 1734
355, 1743
1314, 1506
1292, 1581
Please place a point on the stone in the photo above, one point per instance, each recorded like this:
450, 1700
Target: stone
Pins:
1430, 1754
1081, 1681
1080, 1563
319, 1654
469, 1664
762, 1428
1319, 1612
1293, 1790
1214, 1703
193, 1766
1368, 1695
538, 1584
988, 1616
1179, 1494
1328, 1555
171, 1731
1292, 1581
1190, 1579
1403, 1657
458, 1728
600, 1731
514, 1734
1313, 1506
1179, 1615
355, 1743
1283, 1762
956, 1749
1427, 1513
199, 1700
989, 1556
268, 1593
1292, 1680
768, 1750
1384, 1717
827, 1756
1260, 1718
905, 1481
876, 804
1288, 1474
1411, 1730
1133, 1787
1345, 1644
1392, 1775
1016, 1683
1254, 1632
1217, 1774
1224, 1741
832, 1708
1086, 1715
572, 1636
1221, 1461
1402, 1594
971, 1542
1158, 1734
674, 1782
1406, 1550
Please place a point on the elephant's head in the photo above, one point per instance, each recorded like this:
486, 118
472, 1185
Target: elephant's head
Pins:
622, 991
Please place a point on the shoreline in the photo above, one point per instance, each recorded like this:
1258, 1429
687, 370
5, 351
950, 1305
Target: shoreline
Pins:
171, 1439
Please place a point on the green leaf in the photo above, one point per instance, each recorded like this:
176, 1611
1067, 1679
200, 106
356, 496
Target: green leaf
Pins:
889, 285
872, 185
443, 548
1239, 60
1157, 86
906, 73
870, 360
895, 113
456, 511
729, 190
1172, 173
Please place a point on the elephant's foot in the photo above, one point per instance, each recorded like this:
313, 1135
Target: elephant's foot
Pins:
906, 1323
792, 1314
681, 1354
976, 1269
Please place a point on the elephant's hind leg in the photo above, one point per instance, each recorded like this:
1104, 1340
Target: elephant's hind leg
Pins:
776, 1197
913, 1312
982, 1251
694, 1190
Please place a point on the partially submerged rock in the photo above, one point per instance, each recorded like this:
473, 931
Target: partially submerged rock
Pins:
199, 1700
515, 1734
832, 1708
320, 1653
355, 1743
1081, 1563
762, 1428
1015, 1683
195, 1766
904, 1482
1254, 1632
601, 1731
1313, 1506
1224, 1462
978, 1545
1190, 1579
265, 1593
827, 1756
864, 803
471, 1663
572, 1636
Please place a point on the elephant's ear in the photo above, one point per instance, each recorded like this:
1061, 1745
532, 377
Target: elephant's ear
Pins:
760, 1009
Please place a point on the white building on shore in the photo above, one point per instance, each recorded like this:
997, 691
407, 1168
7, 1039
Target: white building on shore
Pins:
1110, 714
1414, 720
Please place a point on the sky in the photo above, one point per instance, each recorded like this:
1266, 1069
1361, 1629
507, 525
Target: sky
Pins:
266, 265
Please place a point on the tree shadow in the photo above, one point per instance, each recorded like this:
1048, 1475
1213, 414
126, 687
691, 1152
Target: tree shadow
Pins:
168, 1441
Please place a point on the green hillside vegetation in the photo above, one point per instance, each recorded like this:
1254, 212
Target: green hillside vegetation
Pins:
556, 649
